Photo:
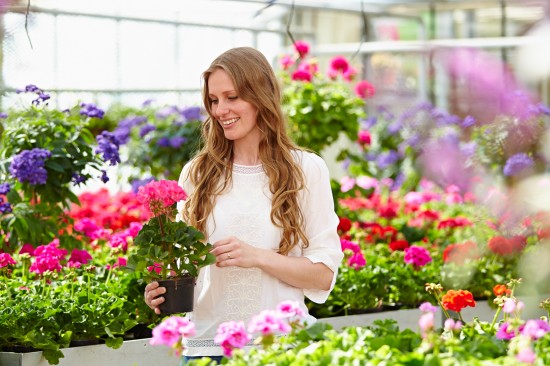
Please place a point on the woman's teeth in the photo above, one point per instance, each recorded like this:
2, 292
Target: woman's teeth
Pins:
230, 121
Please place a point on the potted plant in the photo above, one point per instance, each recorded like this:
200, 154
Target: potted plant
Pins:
167, 249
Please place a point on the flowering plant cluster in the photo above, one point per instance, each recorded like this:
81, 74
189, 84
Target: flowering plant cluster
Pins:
425, 141
52, 297
453, 342
321, 107
166, 247
394, 243
156, 141
44, 154
233, 336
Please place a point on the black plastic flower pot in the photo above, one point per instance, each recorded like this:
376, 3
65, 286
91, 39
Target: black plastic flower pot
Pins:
179, 295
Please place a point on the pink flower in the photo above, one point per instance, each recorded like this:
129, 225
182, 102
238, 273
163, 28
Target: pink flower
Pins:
27, 248
505, 331
346, 183
426, 322
427, 307
349, 245
339, 63
51, 249
534, 329
231, 335
44, 263
363, 137
6, 260
157, 267
302, 48
363, 89
527, 356
290, 309
286, 62
366, 182
80, 256
171, 331
159, 196
417, 256
119, 240
349, 74
269, 322
450, 324
302, 75
357, 260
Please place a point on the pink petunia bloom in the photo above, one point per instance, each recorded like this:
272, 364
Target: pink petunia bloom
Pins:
363, 89
417, 256
269, 322
231, 335
6, 260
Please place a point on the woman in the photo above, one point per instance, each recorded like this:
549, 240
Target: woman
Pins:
264, 203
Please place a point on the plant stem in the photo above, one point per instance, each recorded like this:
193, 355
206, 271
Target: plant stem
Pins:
163, 245
495, 317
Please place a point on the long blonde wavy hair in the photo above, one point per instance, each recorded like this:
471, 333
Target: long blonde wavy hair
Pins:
211, 171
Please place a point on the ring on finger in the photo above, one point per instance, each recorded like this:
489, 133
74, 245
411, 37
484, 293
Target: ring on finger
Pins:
228, 256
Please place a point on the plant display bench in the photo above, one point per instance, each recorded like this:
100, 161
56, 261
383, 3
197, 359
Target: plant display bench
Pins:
132, 353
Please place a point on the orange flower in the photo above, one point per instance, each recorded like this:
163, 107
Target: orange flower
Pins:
500, 290
457, 300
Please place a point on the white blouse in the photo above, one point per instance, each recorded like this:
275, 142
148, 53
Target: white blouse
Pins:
243, 211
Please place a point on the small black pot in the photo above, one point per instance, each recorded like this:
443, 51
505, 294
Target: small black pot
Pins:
179, 295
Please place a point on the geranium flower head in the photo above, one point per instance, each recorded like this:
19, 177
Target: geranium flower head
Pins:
159, 196
457, 300
269, 322
339, 63
231, 335
302, 48
500, 290
417, 256
171, 331
6, 260
363, 89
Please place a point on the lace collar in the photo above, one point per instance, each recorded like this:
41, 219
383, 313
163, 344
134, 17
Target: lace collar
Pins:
248, 169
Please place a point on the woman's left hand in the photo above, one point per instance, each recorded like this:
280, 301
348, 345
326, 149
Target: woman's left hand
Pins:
234, 252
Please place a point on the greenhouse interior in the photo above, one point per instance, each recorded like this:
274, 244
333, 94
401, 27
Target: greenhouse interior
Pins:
401, 155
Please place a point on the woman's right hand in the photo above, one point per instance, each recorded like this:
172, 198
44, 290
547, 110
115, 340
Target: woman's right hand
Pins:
152, 296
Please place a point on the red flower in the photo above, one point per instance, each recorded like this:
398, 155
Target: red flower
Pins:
398, 245
506, 246
500, 290
457, 300
344, 225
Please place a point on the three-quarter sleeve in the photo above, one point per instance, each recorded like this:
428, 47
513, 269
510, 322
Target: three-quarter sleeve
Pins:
321, 221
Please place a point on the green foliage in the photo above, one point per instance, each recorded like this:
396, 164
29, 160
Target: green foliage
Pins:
319, 111
48, 313
174, 244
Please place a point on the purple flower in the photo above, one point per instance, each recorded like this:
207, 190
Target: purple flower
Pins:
79, 178
5, 207
28, 166
90, 110
146, 129
166, 112
368, 123
108, 145
104, 178
3, 115
543, 108
387, 158
138, 183
468, 149
5, 188
177, 141
468, 121
394, 127
517, 163
163, 142
191, 113
417, 256
534, 328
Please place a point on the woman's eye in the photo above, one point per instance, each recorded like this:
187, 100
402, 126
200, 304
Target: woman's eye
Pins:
232, 97
213, 101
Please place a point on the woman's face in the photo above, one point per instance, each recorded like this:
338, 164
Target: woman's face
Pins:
237, 117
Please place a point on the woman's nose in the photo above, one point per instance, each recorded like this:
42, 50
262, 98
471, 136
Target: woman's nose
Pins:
222, 108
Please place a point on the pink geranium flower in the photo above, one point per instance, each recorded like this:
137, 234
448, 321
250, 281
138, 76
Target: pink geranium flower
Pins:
363, 89
231, 335
302, 48
80, 256
6, 260
159, 196
171, 331
417, 256
269, 322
